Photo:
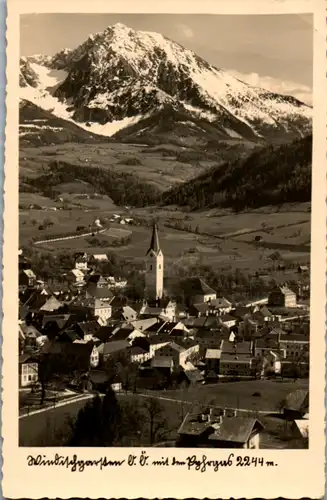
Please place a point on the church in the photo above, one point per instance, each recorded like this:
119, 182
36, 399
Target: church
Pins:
154, 272
156, 304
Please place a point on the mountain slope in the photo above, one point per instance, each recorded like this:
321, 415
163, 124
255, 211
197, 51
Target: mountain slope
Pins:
123, 76
38, 128
269, 176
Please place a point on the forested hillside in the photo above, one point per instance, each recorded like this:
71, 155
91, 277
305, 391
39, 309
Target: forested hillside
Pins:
122, 188
269, 176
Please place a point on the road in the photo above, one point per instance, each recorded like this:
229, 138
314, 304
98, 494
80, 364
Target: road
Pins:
85, 397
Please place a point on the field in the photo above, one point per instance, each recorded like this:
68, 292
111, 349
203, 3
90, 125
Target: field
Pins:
230, 245
157, 165
48, 428
217, 237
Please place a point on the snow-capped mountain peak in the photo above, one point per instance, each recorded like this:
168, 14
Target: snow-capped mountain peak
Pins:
122, 73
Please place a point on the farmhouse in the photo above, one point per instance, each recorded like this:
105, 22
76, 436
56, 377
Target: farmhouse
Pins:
282, 297
197, 291
211, 428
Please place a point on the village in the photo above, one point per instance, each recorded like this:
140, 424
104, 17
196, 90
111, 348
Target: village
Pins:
89, 336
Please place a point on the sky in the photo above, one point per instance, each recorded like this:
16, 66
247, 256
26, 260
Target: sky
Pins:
272, 51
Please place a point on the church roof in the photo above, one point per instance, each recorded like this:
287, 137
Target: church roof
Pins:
154, 245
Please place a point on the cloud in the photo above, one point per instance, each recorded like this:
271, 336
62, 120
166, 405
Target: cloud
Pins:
185, 30
286, 87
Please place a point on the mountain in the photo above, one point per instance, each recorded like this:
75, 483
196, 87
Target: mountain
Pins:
38, 128
269, 176
121, 77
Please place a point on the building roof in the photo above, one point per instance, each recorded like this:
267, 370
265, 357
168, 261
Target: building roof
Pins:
112, 347
51, 304
237, 347
154, 244
77, 273
97, 292
220, 302
137, 350
196, 286
29, 273
193, 374
296, 337
105, 332
227, 317
30, 331
121, 334
60, 319
100, 256
297, 401
235, 429
25, 358
228, 357
89, 327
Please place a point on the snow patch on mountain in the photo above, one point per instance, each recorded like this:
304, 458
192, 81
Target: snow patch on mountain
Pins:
110, 128
47, 77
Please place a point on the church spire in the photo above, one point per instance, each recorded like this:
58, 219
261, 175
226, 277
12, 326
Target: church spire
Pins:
154, 245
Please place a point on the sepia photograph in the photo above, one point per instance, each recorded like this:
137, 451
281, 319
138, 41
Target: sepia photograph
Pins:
165, 180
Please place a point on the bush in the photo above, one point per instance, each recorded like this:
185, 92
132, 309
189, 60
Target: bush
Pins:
132, 161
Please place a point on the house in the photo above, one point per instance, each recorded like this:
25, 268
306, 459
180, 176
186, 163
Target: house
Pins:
300, 431
100, 257
97, 287
303, 269
296, 404
227, 320
164, 363
208, 339
282, 296
236, 359
128, 333
94, 355
161, 307
111, 349
27, 278
156, 343
87, 329
75, 276
212, 428
28, 370
81, 261
197, 291
212, 359
99, 380
30, 334
220, 305
173, 351
296, 346
147, 324
139, 355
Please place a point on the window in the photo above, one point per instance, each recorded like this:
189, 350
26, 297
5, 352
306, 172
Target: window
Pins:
29, 377
159, 266
150, 267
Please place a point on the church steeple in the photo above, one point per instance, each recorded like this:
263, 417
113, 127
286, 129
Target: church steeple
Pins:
154, 273
154, 245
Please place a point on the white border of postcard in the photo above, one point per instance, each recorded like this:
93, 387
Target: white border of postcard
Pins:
297, 473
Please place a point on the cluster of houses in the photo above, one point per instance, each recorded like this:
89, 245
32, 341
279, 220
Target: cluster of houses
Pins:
157, 343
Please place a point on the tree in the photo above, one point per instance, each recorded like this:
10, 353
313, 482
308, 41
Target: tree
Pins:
98, 423
155, 421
